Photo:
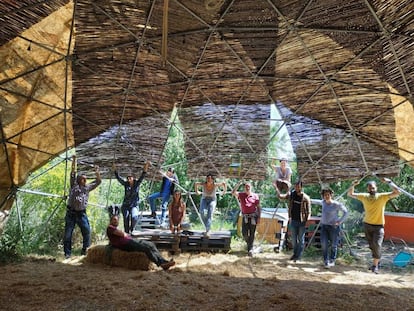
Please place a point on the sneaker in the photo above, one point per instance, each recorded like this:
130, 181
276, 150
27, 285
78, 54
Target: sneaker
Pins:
331, 264
67, 256
293, 257
154, 215
326, 265
168, 264
250, 253
375, 269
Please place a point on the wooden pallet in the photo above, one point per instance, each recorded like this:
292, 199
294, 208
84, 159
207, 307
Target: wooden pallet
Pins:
216, 241
145, 221
187, 240
164, 240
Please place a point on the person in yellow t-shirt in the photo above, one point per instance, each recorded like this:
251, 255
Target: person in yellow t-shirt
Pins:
374, 206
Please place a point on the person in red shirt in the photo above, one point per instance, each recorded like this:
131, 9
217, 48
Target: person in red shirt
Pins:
250, 208
121, 240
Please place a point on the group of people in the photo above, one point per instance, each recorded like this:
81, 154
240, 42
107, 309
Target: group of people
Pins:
76, 214
79, 196
333, 215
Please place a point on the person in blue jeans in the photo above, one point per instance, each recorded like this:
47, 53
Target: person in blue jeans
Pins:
299, 211
209, 199
76, 209
167, 189
334, 214
130, 202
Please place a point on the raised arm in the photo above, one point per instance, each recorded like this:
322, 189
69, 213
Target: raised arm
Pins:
73, 164
144, 172
73, 171
119, 178
97, 174
197, 185
224, 188
234, 192
395, 191
351, 191
147, 165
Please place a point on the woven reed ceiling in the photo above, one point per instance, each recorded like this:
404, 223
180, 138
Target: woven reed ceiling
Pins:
83, 73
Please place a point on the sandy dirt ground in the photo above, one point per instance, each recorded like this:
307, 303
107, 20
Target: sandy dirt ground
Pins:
206, 281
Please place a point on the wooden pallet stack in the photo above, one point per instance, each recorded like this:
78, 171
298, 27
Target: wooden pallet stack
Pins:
145, 221
164, 240
215, 242
186, 241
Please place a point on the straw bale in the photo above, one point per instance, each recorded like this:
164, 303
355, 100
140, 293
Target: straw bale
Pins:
105, 254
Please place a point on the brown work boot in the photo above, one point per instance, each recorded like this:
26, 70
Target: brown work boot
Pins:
168, 264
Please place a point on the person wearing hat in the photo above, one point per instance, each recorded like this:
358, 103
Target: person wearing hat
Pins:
130, 202
282, 181
334, 214
167, 189
76, 208
374, 205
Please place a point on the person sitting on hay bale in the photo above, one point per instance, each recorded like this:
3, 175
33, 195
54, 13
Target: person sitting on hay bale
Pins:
123, 241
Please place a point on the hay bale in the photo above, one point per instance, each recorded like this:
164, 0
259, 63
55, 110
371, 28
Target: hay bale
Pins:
109, 255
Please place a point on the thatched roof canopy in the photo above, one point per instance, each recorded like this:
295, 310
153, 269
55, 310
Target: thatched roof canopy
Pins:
338, 71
